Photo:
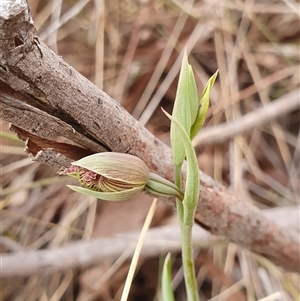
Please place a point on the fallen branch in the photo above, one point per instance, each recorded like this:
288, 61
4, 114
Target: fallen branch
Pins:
81, 254
86, 253
44, 98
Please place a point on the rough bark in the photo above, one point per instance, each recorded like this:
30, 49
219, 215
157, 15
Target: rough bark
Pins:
45, 98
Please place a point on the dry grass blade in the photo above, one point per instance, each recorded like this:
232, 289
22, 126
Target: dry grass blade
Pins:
137, 252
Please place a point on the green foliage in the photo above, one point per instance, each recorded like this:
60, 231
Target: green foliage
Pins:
167, 290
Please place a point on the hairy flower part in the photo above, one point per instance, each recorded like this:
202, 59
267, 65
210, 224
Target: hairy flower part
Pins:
117, 177
86, 178
71, 171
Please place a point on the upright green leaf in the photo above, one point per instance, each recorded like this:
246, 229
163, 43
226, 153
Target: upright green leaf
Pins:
167, 290
203, 106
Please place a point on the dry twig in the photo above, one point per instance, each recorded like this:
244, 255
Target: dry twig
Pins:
222, 132
159, 240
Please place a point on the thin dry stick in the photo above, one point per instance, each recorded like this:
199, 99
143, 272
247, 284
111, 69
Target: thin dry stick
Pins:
45, 98
85, 253
99, 53
266, 82
159, 240
223, 132
161, 65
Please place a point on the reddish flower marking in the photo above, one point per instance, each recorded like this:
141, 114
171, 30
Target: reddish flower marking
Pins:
87, 178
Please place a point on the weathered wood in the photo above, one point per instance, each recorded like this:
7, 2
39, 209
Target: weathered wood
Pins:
46, 98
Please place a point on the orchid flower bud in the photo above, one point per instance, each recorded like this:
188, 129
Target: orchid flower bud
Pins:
184, 110
117, 177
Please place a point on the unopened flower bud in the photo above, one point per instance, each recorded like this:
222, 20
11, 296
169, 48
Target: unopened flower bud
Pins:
117, 177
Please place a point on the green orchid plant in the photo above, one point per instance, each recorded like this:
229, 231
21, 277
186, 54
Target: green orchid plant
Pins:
187, 118
114, 176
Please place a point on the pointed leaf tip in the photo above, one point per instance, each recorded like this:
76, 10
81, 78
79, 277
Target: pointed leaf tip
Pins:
203, 106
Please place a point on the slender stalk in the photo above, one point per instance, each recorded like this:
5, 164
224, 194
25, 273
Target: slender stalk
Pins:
178, 183
188, 263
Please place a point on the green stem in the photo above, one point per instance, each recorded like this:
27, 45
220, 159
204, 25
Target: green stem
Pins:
187, 249
178, 183
188, 263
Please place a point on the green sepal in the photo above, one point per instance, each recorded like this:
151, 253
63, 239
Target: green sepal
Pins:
203, 106
192, 190
118, 196
117, 166
166, 284
162, 187
185, 108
